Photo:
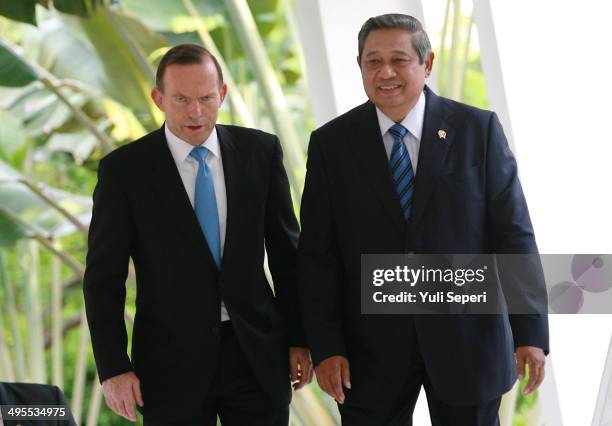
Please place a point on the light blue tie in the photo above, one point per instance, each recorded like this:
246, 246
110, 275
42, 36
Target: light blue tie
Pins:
401, 169
205, 203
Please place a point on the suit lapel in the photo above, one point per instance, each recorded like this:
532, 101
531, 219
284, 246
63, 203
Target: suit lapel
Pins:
234, 171
169, 186
432, 152
370, 152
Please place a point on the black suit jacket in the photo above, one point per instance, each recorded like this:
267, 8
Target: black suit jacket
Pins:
141, 210
23, 394
467, 199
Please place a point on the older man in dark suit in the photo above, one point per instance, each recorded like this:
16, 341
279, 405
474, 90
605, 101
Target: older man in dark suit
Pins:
409, 171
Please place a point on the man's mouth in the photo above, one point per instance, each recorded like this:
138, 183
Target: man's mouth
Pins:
388, 87
194, 128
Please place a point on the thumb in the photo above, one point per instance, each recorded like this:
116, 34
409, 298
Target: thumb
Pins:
346, 374
137, 394
520, 364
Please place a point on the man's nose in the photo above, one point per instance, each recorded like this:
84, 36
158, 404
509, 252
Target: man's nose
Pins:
195, 109
387, 71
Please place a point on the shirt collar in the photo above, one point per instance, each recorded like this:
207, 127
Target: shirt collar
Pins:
413, 121
180, 149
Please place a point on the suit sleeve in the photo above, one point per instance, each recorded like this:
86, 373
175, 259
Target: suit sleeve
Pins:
319, 262
281, 236
110, 239
512, 238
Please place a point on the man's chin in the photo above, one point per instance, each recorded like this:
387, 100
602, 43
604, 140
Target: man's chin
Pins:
389, 103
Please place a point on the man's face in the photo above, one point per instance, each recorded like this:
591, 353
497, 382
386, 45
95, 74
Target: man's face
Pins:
392, 77
191, 98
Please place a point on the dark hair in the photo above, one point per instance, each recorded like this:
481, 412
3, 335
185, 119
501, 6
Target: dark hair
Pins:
420, 41
185, 54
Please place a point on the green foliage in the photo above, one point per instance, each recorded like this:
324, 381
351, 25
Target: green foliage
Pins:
474, 90
124, 76
524, 403
25, 10
77, 7
159, 15
474, 86
10, 232
84, 67
14, 72
13, 139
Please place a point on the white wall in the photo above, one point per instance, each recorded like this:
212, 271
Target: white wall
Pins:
558, 78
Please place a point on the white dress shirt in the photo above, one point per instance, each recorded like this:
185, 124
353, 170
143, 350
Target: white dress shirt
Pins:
188, 169
413, 122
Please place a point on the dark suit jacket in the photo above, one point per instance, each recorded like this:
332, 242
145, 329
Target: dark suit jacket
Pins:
141, 210
467, 199
23, 394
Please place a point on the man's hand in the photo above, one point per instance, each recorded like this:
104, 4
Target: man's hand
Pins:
301, 366
120, 392
333, 373
535, 359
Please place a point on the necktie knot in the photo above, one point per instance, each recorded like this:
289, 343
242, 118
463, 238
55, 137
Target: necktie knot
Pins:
199, 153
398, 132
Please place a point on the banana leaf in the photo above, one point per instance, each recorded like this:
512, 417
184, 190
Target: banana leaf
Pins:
23, 213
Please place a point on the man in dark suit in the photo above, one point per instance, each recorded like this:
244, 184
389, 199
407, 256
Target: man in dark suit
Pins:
28, 394
366, 192
194, 204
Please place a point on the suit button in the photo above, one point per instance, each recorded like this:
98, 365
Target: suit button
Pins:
216, 331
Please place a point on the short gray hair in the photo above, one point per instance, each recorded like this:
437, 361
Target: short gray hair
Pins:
408, 23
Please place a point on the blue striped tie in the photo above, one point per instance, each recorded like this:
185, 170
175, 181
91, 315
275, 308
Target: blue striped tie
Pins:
205, 203
401, 169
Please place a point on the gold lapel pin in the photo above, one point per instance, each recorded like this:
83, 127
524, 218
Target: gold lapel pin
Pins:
441, 134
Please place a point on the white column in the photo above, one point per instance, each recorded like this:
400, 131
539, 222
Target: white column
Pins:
556, 75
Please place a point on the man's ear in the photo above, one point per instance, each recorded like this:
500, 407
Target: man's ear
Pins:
157, 97
429, 64
223, 92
